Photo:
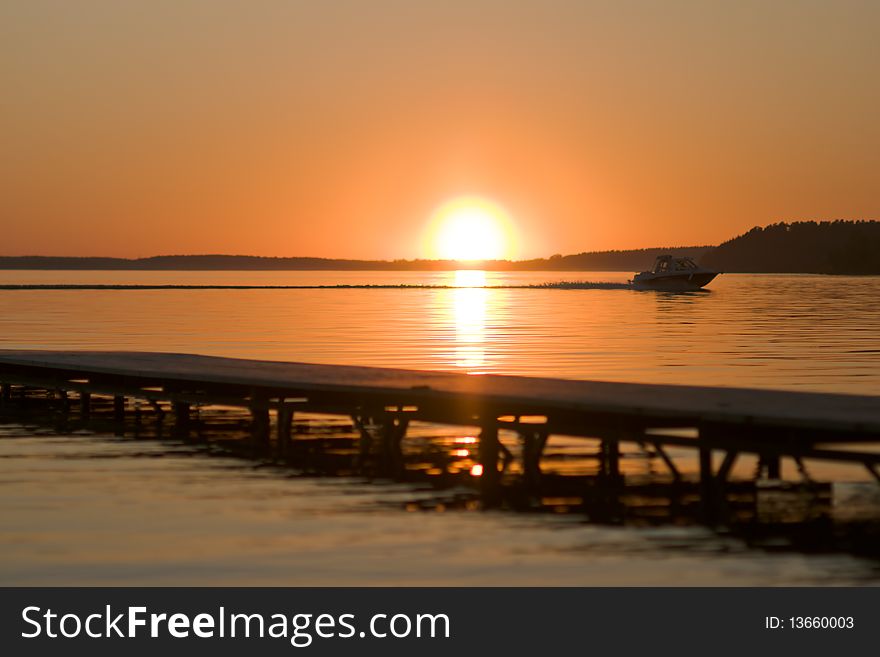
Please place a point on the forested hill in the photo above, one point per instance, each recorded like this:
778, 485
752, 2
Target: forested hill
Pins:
827, 247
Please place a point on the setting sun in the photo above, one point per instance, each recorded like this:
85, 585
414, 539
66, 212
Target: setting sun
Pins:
471, 228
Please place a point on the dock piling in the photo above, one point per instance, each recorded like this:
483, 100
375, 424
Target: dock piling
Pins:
772, 464
365, 444
488, 453
64, 398
181, 418
284, 423
533, 443
260, 425
393, 431
157, 408
708, 487
609, 466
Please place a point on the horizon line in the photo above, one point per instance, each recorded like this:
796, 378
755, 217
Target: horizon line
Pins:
354, 259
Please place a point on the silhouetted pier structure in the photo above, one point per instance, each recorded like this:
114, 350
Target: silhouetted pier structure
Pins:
722, 422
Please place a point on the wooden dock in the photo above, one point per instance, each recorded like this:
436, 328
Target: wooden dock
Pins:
726, 422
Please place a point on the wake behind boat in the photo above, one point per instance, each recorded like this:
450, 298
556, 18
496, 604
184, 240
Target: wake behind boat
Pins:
671, 273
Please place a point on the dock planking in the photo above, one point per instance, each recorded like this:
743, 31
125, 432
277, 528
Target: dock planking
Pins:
770, 423
851, 416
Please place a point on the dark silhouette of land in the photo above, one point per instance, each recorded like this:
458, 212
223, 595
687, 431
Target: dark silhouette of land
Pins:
809, 247
597, 261
828, 247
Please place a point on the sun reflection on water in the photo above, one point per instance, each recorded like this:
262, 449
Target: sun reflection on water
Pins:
470, 301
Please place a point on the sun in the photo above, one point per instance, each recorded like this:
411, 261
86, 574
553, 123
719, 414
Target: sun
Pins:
470, 228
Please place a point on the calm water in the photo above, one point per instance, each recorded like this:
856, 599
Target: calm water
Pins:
96, 509
799, 332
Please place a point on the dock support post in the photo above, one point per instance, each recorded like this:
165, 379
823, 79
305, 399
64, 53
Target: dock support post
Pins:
63, 397
85, 404
157, 408
181, 419
119, 415
260, 426
285, 429
708, 486
488, 452
533, 443
365, 444
705, 466
610, 459
772, 464
119, 409
393, 431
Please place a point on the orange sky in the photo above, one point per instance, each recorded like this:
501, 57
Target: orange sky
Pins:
336, 128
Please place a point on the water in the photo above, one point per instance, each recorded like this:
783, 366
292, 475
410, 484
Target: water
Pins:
780, 331
97, 509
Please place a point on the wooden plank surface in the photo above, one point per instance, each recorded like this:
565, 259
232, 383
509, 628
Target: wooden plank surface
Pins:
847, 414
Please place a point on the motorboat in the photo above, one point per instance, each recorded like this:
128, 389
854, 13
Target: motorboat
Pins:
671, 273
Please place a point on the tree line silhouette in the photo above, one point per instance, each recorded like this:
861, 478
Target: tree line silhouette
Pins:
827, 247
810, 247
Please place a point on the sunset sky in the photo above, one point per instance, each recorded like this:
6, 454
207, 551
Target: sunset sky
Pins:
339, 128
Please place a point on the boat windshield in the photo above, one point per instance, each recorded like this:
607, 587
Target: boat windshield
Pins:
662, 264
668, 263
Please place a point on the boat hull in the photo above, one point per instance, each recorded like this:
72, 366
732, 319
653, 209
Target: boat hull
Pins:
675, 282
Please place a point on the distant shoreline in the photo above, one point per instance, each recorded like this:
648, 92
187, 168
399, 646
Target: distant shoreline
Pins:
630, 260
803, 247
560, 285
